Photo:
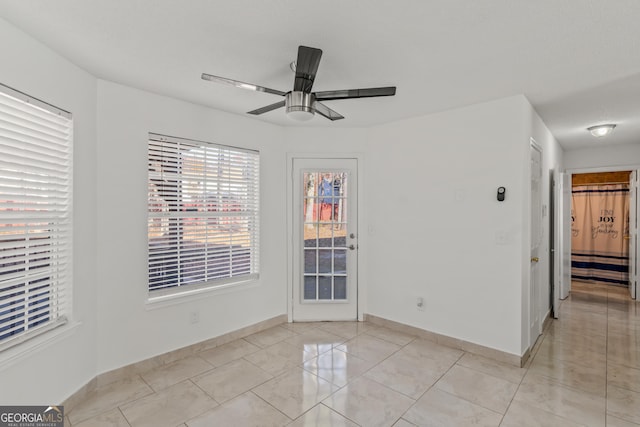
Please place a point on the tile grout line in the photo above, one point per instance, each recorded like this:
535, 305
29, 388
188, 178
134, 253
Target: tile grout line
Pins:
117, 406
484, 373
278, 410
334, 347
434, 383
206, 410
362, 375
528, 370
333, 410
205, 392
123, 416
149, 385
522, 380
518, 388
257, 385
299, 366
286, 373
609, 309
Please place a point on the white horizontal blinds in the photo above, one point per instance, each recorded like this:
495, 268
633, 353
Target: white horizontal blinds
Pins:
203, 213
35, 229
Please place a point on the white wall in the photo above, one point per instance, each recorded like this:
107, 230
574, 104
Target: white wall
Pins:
429, 214
603, 157
339, 143
471, 147
53, 370
434, 218
128, 329
325, 140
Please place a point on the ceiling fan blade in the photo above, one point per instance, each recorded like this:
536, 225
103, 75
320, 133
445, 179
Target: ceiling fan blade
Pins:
355, 93
267, 108
327, 112
306, 68
241, 85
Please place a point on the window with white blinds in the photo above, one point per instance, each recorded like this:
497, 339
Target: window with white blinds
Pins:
35, 216
203, 215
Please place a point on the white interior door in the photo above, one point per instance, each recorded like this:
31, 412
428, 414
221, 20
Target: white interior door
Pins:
565, 241
325, 239
536, 242
633, 234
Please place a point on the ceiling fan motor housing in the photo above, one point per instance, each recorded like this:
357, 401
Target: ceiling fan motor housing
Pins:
298, 101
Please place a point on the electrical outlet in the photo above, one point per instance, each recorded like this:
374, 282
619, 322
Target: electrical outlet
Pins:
194, 317
420, 304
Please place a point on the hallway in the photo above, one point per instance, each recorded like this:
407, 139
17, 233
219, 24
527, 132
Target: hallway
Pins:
593, 348
585, 370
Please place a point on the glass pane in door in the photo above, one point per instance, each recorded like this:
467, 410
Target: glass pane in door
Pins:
325, 236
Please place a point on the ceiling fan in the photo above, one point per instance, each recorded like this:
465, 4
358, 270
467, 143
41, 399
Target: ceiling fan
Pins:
300, 103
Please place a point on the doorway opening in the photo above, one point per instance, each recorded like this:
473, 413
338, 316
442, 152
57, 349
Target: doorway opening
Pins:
582, 269
600, 228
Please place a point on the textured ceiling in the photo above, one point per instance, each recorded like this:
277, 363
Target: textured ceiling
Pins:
576, 60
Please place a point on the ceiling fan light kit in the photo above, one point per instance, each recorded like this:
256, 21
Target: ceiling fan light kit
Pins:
300, 103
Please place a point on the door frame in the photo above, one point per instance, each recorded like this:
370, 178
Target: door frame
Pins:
555, 255
560, 233
564, 235
633, 233
618, 168
361, 253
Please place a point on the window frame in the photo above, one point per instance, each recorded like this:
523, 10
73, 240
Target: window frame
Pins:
249, 212
30, 124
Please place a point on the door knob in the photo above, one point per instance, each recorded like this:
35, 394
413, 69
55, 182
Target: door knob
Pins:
352, 247
535, 259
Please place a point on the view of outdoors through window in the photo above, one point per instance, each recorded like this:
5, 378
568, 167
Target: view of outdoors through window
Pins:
35, 174
25, 270
203, 213
325, 232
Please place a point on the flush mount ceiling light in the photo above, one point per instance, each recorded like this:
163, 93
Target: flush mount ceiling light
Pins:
601, 130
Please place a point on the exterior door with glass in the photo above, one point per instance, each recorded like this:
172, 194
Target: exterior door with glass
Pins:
325, 239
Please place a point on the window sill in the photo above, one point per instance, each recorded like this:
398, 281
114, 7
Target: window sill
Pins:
15, 354
190, 295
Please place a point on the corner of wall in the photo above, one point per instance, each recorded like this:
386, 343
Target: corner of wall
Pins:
68, 360
434, 196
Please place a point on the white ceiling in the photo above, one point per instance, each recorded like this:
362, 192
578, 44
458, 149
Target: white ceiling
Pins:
577, 61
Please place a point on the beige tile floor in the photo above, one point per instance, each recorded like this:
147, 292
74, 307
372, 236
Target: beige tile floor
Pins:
585, 371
